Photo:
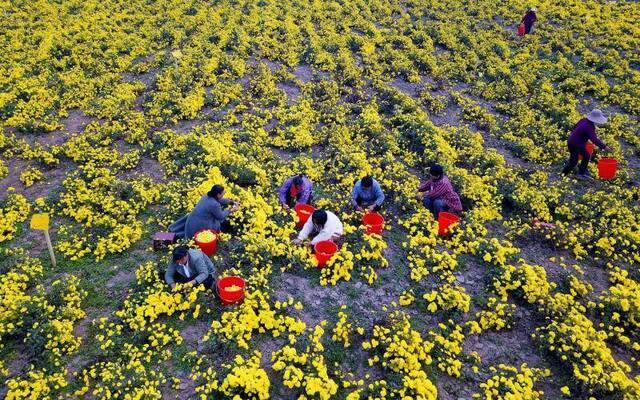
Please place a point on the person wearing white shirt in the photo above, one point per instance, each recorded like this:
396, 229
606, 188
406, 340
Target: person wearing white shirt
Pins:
323, 225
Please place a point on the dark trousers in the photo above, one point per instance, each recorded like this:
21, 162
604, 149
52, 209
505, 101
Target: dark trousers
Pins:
366, 204
435, 205
207, 282
226, 227
574, 153
291, 202
527, 28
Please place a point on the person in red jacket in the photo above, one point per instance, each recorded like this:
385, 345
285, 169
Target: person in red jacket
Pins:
584, 131
437, 193
528, 20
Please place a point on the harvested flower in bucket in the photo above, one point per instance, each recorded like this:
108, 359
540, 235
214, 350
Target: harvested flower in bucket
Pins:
232, 288
206, 237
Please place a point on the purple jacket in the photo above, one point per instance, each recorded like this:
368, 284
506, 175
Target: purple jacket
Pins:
528, 19
584, 131
305, 191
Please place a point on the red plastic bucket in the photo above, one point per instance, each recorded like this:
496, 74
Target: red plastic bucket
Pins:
208, 248
231, 289
324, 250
521, 30
589, 148
373, 223
445, 220
303, 211
607, 168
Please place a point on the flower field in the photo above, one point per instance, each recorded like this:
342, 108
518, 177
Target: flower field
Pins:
118, 116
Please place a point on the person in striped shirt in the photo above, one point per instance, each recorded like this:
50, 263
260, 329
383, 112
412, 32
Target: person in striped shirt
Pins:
437, 193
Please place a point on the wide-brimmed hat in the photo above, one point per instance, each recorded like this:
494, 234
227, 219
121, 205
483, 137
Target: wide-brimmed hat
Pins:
597, 117
533, 9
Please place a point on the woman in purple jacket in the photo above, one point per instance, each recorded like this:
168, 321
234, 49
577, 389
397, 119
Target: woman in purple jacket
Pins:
295, 190
584, 131
528, 20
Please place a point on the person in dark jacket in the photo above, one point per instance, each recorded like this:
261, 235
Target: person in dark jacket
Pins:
584, 131
211, 212
191, 267
437, 193
367, 195
295, 190
528, 20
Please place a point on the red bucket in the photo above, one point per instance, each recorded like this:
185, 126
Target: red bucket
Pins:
324, 250
589, 148
208, 247
445, 220
373, 223
303, 211
607, 168
231, 290
521, 30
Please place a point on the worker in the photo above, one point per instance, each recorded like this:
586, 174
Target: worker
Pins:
529, 19
437, 193
211, 212
584, 131
295, 190
323, 225
190, 267
367, 195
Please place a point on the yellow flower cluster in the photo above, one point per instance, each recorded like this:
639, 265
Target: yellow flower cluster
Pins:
255, 315
306, 369
13, 211
30, 176
36, 385
343, 329
246, 380
512, 383
448, 297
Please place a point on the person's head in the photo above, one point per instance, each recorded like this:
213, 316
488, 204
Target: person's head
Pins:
366, 182
597, 117
217, 192
180, 255
436, 171
319, 218
298, 180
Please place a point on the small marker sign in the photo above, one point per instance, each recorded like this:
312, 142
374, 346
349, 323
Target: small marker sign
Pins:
40, 222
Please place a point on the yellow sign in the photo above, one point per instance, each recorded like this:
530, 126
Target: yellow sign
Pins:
40, 222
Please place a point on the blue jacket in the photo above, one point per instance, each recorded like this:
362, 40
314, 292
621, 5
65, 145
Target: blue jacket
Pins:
367, 197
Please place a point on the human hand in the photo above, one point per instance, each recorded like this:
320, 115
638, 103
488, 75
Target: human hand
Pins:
286, 207
358, 208
297, 241
371, 207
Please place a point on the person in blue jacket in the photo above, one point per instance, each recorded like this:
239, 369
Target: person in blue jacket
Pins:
367, 195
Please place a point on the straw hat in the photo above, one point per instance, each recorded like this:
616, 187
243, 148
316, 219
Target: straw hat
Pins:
533, 9
597, 117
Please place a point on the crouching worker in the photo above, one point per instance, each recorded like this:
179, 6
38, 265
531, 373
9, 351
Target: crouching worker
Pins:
295, 190
583, 132
437, 193
211, 212
529, 19
323, 225
190, 267
367, 195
